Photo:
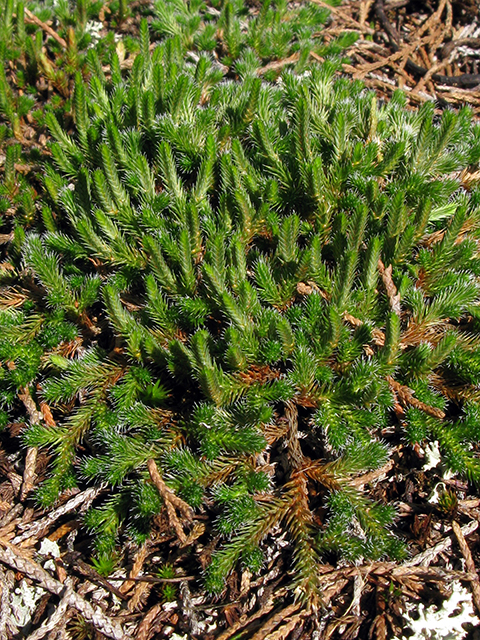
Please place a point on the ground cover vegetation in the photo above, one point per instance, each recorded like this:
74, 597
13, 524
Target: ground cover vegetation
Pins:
231, 285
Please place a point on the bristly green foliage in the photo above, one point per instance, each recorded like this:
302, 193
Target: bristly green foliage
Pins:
251, 283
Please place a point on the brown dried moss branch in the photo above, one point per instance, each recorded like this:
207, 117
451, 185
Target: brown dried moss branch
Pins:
172, 502
11, 556
405, 395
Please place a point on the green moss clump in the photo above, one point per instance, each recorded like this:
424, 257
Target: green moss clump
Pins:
253, 284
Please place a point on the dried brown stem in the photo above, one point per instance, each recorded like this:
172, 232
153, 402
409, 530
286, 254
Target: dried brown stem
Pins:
244, 620
372, 475
137, 567
57, 617
426, 557
41, 526
36, 416
465, 80
144, 630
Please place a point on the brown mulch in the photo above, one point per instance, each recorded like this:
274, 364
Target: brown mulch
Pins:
428, 48
431, 50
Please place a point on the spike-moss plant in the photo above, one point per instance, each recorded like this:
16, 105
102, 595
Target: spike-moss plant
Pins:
249, 285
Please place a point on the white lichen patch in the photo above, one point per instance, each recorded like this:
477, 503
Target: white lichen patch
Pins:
432, 456
24, 603
444, 623
49, 548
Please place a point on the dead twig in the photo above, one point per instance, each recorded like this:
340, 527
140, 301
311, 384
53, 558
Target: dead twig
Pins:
36, 416
244, 620
5, 613
465, 80
372, 475
14, 512
137, 566
295, 453
448, 48
337, 11
29, 473
405, 395
276, 65
283, 632
144, 629
93, 576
